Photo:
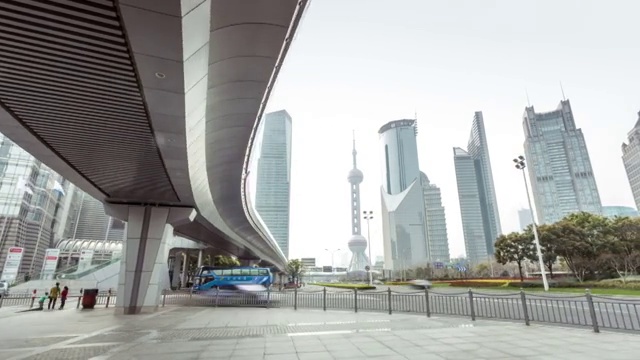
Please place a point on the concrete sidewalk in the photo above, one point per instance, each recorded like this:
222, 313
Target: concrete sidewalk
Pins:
283, 334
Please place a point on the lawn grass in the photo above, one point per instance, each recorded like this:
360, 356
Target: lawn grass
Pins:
595, 291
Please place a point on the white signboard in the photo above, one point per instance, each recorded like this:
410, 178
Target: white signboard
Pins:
86, 256
50, 263
12, 264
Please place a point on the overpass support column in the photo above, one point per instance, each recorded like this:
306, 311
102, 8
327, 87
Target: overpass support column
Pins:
177, 263
143, 273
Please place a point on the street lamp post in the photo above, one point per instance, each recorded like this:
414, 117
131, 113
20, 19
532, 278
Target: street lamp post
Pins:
521, 165
368, 215
332, 253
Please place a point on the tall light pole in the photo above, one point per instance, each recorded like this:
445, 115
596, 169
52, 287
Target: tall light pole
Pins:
521, 165
332, 253
368, 215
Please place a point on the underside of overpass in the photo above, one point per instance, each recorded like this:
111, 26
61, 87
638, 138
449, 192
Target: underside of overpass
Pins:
149, 106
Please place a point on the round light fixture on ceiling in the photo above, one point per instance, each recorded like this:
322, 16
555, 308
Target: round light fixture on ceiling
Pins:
160, 75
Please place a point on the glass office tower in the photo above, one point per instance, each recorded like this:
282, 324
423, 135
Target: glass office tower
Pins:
437, 237
477, 194
560, 171
631, 160
403, 208
274, 176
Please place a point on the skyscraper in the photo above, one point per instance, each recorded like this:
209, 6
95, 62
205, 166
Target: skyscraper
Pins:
30, 194
437, 238
524, 217
274, 176
403, 208
559, 166
357, 243
477, 195
631, 160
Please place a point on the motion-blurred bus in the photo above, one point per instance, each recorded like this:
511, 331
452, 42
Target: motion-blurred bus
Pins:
217, 277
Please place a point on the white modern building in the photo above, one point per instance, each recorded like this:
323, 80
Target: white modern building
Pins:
562, 180
631, 160
274, 176
403, 210
477, 194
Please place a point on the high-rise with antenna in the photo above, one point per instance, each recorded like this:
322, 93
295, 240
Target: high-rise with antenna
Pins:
357, 243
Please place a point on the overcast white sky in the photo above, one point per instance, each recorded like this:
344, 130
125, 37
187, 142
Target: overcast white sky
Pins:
357, 64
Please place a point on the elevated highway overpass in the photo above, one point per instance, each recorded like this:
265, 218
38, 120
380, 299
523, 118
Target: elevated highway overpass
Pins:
151, 107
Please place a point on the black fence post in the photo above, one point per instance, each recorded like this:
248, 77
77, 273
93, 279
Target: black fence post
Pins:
78, 304
355, 299
1, 300
108, 298
164, 297
525, 309
471, 306
389, 300
592, 311
324, 298
295, 298
426, 301
32, 301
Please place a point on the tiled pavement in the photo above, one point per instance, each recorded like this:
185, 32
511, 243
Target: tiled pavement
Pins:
283, 334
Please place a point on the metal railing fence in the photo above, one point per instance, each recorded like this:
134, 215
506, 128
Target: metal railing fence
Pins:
587, 310
597, 312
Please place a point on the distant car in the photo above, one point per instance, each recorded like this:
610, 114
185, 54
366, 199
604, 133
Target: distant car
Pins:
420, 284
4, 288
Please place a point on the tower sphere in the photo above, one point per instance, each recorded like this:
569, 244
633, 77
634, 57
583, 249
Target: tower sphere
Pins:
357, 243
355, 176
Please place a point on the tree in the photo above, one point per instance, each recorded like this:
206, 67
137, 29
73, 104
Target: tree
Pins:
583, 240
514, 247
294, 269
549, 238
623, 247
227, 261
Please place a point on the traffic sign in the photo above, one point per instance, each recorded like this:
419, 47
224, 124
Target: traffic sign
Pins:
367, 268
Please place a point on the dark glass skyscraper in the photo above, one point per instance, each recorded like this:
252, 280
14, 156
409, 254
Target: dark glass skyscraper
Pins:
274, 177
477, 194
562, 180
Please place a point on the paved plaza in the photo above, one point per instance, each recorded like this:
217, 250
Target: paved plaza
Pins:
283, 334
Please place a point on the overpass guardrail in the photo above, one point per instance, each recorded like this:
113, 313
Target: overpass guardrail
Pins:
583, 310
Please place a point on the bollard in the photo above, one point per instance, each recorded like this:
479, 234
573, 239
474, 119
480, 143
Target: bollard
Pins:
389, 299
1, 300
592, 311
525, 309
426, 301
108, 298
32, 301
295, 298
324, 298
355, 299
471, 306
164, 297
78, 304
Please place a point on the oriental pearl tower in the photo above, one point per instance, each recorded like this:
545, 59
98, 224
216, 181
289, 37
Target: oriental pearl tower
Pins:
357, 243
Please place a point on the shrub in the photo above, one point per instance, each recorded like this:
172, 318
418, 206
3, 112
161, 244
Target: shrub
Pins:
347, 286
478, 284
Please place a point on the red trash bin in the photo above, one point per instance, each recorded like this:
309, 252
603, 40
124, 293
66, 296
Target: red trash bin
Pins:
89, 298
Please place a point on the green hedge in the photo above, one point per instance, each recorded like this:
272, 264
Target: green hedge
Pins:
347, 286
576, 285
397, 283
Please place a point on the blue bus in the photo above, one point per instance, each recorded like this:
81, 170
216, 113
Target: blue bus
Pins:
212, 277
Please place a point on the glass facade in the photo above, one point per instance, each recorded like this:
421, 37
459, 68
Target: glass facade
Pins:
29, 205
525, 218
631, 160
403, 208
274, 177
477, 194
559, 166
437, 238
619, 211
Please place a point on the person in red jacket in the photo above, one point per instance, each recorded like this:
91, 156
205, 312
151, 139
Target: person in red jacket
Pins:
63, 297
